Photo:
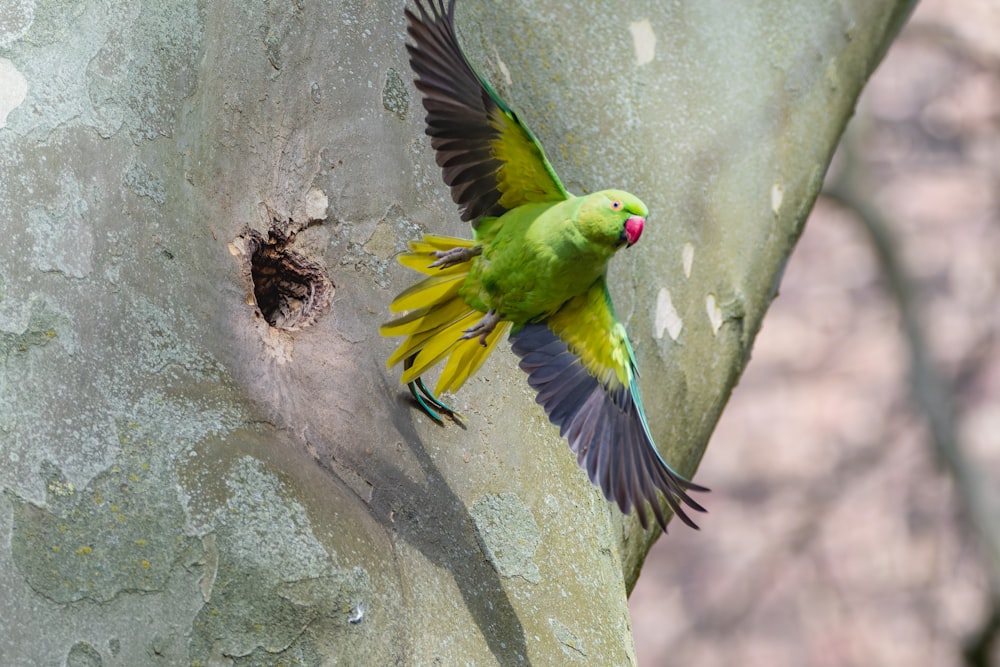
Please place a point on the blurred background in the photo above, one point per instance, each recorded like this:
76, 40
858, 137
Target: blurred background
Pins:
856, 469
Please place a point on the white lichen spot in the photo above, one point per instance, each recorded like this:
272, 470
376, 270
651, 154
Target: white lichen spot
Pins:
315, 205
13, 89
16, 17
832, 71
687, 258
666, 318
502, 66
644, 41
777, 194
210, 565
714, 313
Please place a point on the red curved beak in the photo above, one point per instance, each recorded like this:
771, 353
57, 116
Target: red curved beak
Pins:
633, 228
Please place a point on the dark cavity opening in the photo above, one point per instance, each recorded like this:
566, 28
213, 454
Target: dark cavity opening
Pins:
291, 291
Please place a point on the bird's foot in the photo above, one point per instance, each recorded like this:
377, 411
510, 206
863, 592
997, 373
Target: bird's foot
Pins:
483, 328
428, 402
431, 404
446, 258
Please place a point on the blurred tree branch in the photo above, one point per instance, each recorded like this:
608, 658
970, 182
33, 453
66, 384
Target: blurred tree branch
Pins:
749, 587
931, 391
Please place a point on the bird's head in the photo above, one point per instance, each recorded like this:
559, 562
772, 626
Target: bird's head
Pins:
613, 218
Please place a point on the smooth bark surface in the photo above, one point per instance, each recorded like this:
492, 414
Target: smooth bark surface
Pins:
184, 483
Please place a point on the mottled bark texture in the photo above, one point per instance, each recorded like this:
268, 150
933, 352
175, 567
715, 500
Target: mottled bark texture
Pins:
204, 460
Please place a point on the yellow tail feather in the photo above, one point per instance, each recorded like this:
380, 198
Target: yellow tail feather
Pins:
425, 319
428, 292
423, 328
421, 261
466, 358
438, 318
439, 344
432, 242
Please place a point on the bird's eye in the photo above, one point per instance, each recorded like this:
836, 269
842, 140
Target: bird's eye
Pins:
616, 205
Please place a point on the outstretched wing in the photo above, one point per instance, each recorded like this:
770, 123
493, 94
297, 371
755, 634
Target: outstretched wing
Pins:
581, 364
491, 161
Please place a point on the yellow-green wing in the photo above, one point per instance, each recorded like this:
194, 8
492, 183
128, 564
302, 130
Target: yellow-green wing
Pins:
581, 364
491, 160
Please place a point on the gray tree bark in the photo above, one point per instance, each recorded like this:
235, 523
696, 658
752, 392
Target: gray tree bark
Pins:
204, 460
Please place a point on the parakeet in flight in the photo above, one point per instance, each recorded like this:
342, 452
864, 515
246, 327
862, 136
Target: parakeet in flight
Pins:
536, 267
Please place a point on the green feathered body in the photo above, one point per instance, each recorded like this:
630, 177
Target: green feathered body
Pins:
537, 257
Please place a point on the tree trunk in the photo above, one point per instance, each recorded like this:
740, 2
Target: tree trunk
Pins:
205, 460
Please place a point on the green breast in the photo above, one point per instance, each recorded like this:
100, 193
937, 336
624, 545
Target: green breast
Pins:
534, 260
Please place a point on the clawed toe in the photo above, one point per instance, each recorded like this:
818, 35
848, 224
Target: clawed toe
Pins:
483, 328
432, 406
446, 258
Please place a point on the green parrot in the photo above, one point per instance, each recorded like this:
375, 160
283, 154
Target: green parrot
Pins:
536, 267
